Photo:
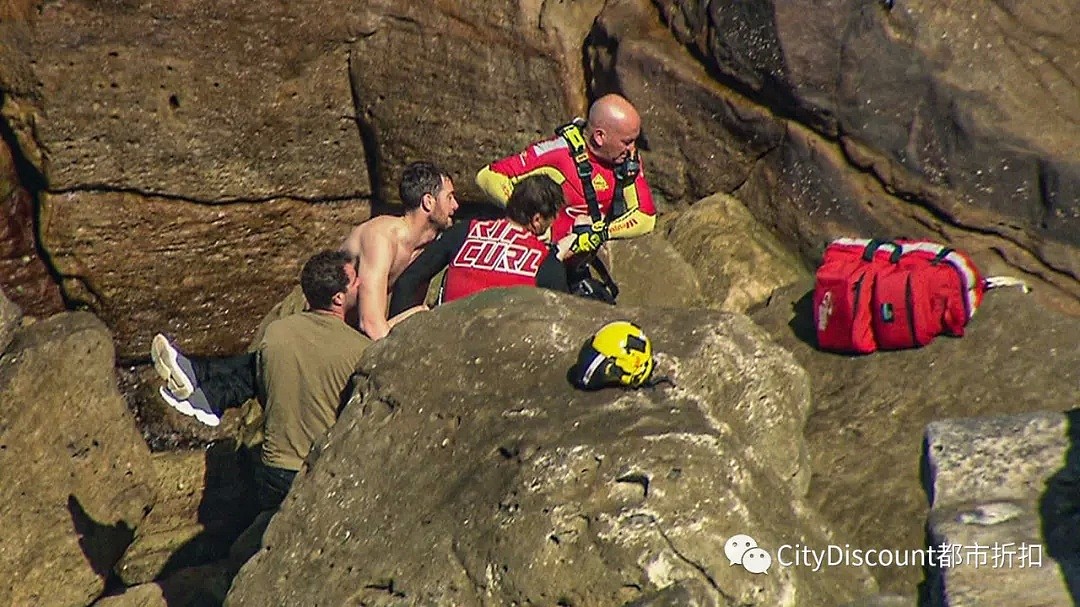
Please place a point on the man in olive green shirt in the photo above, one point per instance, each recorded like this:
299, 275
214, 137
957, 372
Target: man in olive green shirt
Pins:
305, 362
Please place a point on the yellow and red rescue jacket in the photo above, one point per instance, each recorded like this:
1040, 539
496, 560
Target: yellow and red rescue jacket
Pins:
552, 157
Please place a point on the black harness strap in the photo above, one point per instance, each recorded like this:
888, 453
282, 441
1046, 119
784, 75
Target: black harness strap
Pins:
571, 133
575, 140
605, 276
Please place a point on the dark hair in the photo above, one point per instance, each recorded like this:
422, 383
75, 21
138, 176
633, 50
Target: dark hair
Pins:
324, 276
532, 195
418, 179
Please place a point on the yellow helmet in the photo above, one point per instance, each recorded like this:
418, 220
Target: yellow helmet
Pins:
618, 354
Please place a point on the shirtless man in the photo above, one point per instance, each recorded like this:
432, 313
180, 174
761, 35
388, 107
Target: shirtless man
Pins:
204, 387
386, 245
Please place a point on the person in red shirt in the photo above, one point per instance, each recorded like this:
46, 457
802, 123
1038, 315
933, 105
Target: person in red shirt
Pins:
607, 150
484, 254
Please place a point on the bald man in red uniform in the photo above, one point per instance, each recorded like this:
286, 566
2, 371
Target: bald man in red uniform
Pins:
609, 136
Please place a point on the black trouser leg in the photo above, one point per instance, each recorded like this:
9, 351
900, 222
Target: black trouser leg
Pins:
227, 381
583, 284
577, 270
272, 485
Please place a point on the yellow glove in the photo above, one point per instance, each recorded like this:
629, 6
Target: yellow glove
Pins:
588, 238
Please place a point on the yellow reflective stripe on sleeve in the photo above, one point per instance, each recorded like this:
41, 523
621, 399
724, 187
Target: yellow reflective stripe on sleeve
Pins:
630, 196
496, 185
499, 186
555, 174
632, 224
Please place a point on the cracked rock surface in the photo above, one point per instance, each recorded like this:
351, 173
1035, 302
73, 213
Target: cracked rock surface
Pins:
1004, 489
870, 412
159, 131
75, 476
472, 474
192, 155
204, 274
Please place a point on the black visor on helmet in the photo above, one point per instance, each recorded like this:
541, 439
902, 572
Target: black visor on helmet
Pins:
593, 370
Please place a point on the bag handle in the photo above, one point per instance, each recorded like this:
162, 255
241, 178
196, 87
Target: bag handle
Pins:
940, 257
877, 243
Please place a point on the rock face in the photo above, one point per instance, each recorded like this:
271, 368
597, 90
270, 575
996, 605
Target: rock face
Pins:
493, 482
651, 272
203, 504
501, 90
966, 110
1007, 484
10, 318
192, 587
870, 412
701, 137
211, 137
215, 149
219, 142
740, 263
199, 101
22, 272
212, 292
76, 475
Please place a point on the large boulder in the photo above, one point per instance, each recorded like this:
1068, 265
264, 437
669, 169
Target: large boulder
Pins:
202, 586
865, 433
740, 263
636, 265
76, 475
492, 481
1007, 484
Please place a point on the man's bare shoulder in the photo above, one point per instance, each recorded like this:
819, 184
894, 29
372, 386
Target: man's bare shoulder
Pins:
385, 229
384, 226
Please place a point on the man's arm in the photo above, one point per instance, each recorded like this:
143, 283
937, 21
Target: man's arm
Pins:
437, 255
376, 257
352, 241
640, 216
496, 185
546, 157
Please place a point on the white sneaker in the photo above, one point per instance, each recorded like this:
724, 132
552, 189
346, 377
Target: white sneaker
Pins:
173, 367
195, 406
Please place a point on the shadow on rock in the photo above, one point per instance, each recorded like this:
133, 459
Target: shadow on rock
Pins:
102, 544
185, 553
1059, 511
802, 320
200, 571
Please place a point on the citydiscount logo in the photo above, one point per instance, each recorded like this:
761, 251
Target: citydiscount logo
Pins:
743, 550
